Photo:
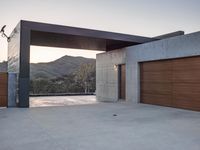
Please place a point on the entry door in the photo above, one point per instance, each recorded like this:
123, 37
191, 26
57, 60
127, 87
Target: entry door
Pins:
122, 82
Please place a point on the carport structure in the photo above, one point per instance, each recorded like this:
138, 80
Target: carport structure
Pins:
29, 33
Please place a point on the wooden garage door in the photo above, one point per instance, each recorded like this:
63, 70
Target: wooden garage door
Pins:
173, 83
3, 89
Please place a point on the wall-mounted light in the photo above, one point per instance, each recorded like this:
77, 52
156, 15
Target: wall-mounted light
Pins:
115, 67
2, 31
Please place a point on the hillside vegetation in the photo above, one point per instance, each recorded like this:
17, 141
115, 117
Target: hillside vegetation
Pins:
65, 75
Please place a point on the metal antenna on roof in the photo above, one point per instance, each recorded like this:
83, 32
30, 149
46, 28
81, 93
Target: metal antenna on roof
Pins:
3, 34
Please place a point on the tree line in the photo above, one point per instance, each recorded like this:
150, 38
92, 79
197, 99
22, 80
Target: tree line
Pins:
83, 80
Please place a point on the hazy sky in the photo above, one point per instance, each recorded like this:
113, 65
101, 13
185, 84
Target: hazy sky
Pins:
138, 17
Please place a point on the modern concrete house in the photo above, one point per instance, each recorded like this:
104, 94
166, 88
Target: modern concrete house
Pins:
164, 70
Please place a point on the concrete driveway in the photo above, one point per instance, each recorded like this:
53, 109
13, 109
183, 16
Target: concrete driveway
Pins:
95, 127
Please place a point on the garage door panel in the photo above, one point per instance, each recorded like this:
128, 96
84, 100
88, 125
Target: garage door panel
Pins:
189, 76
3, 81
186, 102
186, 98
156, 99
156, 66
3, 91
3, 77
156, 76
174, 83
186, 88
3, 101
3, 85
156, 88
192, 63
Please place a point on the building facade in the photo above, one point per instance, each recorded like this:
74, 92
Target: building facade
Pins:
163, 70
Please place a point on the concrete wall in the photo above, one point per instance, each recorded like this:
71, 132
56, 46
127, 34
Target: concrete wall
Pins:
175, 47
107, 75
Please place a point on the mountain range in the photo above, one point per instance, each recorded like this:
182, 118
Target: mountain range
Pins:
62, 66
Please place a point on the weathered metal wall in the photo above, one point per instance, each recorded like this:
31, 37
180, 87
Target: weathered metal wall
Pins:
14, 57
14, 50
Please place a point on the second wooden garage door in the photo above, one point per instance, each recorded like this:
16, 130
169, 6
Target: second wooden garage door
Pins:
173, 83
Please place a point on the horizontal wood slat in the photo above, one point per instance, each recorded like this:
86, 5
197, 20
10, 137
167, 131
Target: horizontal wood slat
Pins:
158, 77
156, 99
3, 101
156, 66
186, 76
184, 64
3, 91
156, 88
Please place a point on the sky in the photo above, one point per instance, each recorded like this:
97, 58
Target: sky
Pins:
138, 17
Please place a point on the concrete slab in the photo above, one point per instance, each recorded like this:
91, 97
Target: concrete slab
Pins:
94, 127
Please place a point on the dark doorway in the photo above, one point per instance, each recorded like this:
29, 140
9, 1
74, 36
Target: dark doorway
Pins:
122, 82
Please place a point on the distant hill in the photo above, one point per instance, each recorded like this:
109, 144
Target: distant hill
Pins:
62, 66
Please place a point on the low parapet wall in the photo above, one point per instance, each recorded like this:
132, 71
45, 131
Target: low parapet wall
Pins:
60, 94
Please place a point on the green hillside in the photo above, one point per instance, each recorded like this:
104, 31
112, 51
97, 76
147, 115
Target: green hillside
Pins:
58, 68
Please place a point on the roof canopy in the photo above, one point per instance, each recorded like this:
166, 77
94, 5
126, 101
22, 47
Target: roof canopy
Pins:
51, 35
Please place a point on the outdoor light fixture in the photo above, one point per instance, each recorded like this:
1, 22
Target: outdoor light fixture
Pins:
115, 67
3, 33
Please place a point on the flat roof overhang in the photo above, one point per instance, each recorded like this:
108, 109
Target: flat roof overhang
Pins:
51, 35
